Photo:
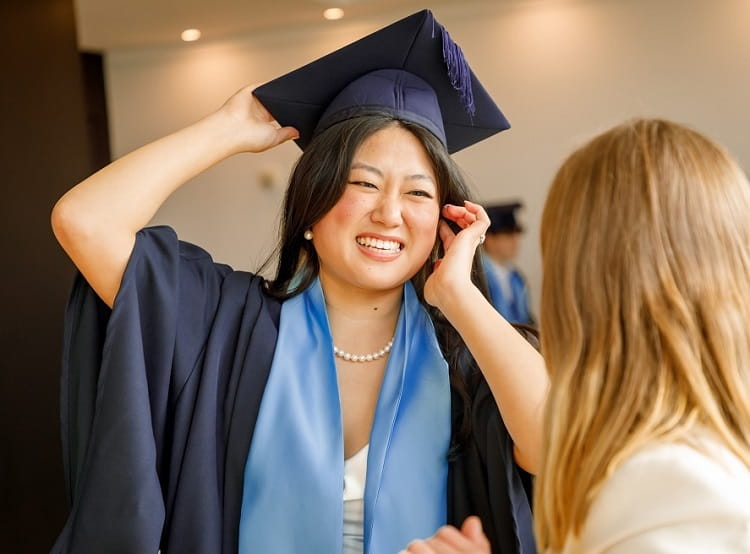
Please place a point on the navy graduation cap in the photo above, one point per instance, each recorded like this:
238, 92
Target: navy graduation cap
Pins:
411, 69
503, 218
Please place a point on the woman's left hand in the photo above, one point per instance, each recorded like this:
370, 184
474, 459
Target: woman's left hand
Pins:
513, 369
449, 540
452, 273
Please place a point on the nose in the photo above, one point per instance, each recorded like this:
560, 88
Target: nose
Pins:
388, 211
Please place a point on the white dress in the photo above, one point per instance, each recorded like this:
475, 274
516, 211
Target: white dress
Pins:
355, 472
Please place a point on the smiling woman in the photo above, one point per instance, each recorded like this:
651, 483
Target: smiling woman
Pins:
383, 228
226, 420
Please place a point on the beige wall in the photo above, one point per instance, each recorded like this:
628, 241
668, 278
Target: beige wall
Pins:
561, 70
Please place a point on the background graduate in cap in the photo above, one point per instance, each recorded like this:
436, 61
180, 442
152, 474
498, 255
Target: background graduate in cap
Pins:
365, 396
506, 284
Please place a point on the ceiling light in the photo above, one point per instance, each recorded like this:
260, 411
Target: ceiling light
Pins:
189, 35
333, 13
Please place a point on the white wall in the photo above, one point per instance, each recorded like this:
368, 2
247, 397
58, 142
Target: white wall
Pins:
561, 70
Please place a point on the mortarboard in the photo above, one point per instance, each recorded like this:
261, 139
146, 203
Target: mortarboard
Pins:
410, 69
503, 218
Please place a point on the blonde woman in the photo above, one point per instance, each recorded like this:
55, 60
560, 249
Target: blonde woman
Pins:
646, 334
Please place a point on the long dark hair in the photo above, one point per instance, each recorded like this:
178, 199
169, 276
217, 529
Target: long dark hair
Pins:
318, 181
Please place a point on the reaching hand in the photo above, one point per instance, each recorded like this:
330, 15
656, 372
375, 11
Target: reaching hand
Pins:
449, 540
453, 271
252, 127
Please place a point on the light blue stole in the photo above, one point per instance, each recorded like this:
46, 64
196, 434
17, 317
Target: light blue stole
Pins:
294, 474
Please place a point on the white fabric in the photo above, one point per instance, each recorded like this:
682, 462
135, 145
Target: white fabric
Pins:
670, 498
355, 472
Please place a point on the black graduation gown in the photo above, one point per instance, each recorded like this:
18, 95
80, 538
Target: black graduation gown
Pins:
159, 400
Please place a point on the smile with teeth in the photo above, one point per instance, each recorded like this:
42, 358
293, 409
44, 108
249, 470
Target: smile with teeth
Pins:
379, 245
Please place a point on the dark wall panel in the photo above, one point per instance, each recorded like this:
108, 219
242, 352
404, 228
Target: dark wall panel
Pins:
46, 143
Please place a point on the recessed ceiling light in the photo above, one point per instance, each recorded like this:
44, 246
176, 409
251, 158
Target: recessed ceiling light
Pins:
333, 13
190, 35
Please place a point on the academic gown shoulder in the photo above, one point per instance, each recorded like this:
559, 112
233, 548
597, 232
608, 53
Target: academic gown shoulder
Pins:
159, 401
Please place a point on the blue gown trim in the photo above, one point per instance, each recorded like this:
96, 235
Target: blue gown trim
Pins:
293, 489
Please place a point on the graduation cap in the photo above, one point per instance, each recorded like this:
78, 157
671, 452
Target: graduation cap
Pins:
411, 69
503, 218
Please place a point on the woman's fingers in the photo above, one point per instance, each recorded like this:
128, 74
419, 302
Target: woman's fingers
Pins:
466, 215
452, 537
258, 110
472, 530
452, 272
446, 234
449, 540
252, 125
284, 134
479, 213
418, 547
459, 215
470, 217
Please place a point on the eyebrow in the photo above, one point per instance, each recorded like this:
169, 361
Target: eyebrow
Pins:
376, 171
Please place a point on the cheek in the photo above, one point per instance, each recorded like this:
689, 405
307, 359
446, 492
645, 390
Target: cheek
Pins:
341, 213
349, 206
424, 222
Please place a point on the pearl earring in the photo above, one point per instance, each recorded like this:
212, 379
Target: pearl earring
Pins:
308, 235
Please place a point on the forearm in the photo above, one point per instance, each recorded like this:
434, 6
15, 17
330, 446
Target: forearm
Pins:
513, 369
96, 221
126, 194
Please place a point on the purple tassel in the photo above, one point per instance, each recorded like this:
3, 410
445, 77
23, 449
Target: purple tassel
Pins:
458, 71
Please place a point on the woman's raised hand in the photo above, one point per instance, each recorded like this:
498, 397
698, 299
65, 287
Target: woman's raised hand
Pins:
452, 273
250, 125
97, 220
470, 539
514, 371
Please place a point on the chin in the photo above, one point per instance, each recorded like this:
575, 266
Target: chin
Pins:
373, 277
382, 281
382, 285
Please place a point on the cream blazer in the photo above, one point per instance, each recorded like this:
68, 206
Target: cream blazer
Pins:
671, 498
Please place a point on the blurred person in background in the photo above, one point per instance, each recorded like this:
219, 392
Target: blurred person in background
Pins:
507, 285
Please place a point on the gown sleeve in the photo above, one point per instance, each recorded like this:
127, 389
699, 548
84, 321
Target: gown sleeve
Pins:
484, 479
123, 370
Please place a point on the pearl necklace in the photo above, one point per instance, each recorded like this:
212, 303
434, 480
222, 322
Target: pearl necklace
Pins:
363, 357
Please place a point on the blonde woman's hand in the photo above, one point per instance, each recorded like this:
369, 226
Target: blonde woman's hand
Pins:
249, 126
470, 539
452, 273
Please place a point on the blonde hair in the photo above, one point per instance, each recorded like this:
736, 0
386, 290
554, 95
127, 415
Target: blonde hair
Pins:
645, 319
